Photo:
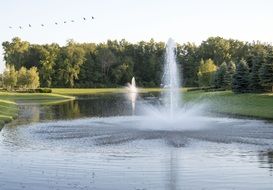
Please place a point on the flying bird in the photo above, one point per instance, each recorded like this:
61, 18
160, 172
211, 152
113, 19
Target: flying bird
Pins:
10, 27
84, 18
56, 23
42, 25
20, 27
64, 22
72, 21
92, 17
29, 25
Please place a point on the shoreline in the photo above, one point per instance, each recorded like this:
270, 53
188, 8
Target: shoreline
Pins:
9, 103
225, 103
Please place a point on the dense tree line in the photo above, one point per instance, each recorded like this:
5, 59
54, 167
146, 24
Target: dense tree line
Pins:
21, 79
216, 62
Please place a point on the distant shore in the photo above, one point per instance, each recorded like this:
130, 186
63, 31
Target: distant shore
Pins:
258, 106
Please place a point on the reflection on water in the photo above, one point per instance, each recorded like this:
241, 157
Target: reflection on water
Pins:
125, 152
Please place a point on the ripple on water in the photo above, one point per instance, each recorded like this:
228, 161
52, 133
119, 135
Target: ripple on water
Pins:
130, 153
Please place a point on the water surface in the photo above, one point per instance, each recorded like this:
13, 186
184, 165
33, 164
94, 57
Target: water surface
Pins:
96, 142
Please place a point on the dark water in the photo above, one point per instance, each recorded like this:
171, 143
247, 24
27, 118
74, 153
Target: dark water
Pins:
95, 143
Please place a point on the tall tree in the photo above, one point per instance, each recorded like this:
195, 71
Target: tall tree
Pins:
23, 78
231, 68
10, 77
15, 52
266, 75
206, 72
70, 59
240, 81
33, 80
254, 79
220, 80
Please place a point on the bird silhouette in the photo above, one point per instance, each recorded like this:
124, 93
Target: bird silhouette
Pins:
56, 23
10, 26
42, 25
29, 25
92, 17
20, 27
64, 22
72, 21
84, 18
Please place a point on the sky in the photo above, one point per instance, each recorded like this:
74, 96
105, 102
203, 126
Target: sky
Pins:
135, 20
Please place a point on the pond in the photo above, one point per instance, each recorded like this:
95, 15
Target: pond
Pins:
99, 142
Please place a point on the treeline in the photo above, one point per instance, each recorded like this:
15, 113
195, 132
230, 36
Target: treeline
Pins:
216, 62
21, 80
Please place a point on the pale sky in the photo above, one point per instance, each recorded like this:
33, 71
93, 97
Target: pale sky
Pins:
135, 20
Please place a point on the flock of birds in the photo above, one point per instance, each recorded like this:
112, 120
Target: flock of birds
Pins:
56, 23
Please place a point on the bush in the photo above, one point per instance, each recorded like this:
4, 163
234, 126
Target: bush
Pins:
37, 90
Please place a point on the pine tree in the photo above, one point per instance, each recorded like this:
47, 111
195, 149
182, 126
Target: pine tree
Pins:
219, 76
266, 75
240, 80
254, 79
231, 68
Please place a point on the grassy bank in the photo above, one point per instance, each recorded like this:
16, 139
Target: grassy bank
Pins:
226, 102
90, 91
8, 102
8, 111
13, 96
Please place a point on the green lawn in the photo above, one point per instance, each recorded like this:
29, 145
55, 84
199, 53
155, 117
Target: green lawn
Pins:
8, 106
86, 91
13, 96
226, 102
8, 111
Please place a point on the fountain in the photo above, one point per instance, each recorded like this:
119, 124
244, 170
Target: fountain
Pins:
171, 81
132, 94
132, 86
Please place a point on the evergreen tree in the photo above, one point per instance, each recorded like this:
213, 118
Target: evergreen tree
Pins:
254, 79
266, 75
227, 80
240, 80
221, 72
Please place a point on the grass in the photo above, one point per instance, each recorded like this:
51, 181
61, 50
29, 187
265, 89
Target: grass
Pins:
90, 91
13, 96
226, 102
8, 111
8, 105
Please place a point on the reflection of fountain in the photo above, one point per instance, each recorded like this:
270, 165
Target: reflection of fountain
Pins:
132, 94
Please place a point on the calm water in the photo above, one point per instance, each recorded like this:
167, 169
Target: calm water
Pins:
95, 143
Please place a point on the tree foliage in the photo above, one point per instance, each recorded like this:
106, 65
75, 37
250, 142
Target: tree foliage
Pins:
114, 63
23, 79
10, 77
266, 75
206, 72
240, 82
